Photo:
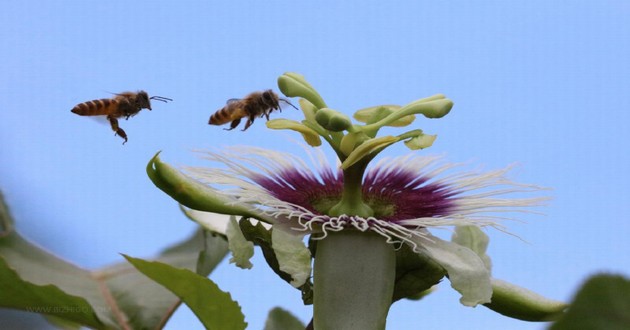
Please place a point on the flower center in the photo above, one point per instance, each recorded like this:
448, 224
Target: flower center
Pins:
396, 195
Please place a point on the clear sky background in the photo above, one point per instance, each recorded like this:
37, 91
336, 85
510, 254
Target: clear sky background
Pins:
544, 84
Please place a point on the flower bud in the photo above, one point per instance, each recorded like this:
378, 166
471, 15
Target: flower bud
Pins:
332, 120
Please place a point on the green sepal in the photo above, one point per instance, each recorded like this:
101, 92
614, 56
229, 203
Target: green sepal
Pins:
416, 274
520, 303
294, 85
193, 194
310, 136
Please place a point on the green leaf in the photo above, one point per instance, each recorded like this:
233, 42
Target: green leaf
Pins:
118, 296
146, 303
213, 307
294, 85
280, 319
6, 222
603, 302
48, 299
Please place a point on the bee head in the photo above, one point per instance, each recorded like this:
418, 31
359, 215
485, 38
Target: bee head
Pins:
142, 100
270, 99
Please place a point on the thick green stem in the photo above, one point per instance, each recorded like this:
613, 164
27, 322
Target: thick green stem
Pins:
354, 281
351, 202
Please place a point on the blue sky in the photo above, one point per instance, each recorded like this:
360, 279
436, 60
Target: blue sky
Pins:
543, 84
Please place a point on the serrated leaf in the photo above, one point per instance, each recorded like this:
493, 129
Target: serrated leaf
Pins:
48, 299
119, 296
146, 303
213, 307
280, 319
603, 302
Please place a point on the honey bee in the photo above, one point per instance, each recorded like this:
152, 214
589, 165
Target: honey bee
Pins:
125, 104
256, 104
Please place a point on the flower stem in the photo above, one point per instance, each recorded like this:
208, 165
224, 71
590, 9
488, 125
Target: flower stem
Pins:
354, 281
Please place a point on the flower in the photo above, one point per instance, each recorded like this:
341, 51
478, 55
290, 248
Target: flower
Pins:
409, 194
365, 219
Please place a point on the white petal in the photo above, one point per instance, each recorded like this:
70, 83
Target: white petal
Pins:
294, 258
466, 271
214, 222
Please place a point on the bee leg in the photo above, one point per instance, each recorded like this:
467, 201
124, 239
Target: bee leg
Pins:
249, 122
233, 124
119, 131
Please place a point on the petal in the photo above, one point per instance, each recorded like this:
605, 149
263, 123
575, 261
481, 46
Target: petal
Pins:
466, 271
293, 256
213, 222
242, 249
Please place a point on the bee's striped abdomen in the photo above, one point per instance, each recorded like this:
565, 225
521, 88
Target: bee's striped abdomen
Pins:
220, 117
95, 107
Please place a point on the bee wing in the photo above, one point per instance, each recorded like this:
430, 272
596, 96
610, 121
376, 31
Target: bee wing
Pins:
232, 101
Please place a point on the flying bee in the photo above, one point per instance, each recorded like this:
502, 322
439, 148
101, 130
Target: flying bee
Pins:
125, 104
256, 104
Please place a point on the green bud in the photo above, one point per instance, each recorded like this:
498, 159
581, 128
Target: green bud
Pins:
332, 120
294, 85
